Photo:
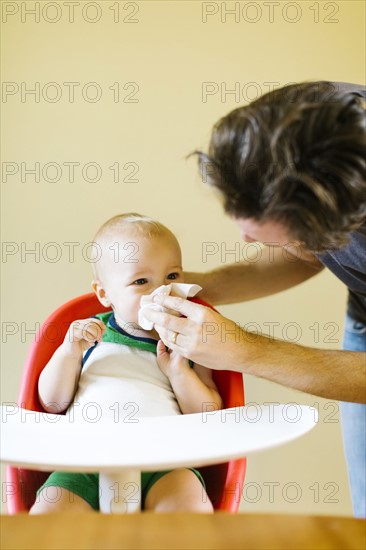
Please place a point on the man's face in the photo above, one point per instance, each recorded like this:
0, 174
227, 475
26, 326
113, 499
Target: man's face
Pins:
269, 233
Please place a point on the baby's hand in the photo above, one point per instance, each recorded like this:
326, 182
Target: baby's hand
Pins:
170, 362
82, 335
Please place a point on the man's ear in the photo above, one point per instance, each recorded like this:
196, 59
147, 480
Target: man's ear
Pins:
101, 293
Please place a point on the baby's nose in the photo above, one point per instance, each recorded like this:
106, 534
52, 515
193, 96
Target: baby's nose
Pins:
160, 285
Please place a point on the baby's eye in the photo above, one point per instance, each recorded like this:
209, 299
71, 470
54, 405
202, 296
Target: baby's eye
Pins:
140, 282
173, 276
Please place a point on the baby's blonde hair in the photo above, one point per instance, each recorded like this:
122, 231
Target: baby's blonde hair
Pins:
134, 223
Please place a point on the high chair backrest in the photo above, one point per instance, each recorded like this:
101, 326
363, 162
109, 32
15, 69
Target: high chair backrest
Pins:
224, 482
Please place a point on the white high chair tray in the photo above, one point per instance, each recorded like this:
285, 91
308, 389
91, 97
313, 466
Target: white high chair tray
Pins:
49, 442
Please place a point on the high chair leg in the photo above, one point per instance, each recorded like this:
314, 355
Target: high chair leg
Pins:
120, 493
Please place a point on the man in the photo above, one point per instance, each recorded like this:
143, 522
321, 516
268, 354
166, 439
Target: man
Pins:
291, 168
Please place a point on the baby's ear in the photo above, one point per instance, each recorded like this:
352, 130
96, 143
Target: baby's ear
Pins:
101, 293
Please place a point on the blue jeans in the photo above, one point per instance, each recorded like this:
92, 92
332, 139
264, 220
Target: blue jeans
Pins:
353, 417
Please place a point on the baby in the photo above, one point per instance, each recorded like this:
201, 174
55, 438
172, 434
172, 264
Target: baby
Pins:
110, 360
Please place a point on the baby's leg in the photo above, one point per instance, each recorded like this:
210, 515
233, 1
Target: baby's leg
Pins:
178, 491
56, 499
67, 491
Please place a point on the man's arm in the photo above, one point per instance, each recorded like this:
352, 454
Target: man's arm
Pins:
331, 374
206, 337
277, 269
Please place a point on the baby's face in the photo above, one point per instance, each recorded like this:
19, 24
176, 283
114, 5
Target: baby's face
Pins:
136, 265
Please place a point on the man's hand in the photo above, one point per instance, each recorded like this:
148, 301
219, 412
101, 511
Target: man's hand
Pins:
204, 336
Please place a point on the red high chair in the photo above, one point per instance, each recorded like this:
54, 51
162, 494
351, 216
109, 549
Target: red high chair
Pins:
224, 482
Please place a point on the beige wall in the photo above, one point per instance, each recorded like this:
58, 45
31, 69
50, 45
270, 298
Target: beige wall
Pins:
162, 63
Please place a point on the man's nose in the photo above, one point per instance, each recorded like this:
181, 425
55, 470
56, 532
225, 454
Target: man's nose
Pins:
247, 239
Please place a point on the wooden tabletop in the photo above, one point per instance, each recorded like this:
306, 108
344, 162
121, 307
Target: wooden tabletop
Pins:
220, 531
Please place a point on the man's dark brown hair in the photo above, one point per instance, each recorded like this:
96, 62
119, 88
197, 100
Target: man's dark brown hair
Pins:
297, 156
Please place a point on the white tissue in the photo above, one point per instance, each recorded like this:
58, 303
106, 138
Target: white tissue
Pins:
179, 289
